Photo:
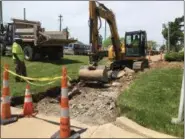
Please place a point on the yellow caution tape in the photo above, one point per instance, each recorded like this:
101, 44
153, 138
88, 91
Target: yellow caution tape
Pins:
52, 79
35, 79
36, 84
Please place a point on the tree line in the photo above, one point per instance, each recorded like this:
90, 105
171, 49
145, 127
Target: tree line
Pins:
176, 37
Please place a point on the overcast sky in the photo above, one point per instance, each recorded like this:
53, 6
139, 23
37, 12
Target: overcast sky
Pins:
130, 15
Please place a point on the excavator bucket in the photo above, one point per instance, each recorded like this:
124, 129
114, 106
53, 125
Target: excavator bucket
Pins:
99, 74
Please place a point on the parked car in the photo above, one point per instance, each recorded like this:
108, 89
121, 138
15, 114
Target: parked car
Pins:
76, 49
87, 49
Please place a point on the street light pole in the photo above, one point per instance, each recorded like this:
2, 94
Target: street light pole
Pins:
168, 37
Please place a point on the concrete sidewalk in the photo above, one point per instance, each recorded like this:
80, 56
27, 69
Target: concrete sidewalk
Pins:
45, 126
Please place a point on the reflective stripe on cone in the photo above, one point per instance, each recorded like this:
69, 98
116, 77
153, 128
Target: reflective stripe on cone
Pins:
28, 99
64, 92
5, 99
64, 112
5, 83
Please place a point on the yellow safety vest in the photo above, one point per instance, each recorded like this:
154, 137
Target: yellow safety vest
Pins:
16, 48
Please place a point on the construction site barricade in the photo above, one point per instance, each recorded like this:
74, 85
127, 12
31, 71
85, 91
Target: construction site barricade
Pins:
65, 131
6, 116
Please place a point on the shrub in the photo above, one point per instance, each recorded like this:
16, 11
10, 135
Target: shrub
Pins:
174, 56
181, 56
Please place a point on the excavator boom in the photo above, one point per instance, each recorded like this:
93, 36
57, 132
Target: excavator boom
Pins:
130, 54
94, 71
101, 11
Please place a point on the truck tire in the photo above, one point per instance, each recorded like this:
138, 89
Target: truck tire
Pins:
28, 52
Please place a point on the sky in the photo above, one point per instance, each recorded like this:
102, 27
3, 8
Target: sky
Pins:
130, 16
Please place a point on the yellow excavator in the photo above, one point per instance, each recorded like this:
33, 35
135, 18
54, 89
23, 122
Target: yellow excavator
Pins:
128, 54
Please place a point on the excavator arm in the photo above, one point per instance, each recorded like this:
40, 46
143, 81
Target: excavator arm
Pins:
95, 72
101, 11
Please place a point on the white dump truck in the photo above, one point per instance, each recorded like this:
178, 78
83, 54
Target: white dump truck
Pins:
37, 43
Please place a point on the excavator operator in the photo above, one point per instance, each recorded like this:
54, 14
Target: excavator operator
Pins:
136, 42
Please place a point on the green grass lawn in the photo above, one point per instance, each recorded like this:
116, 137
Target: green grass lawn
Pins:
44, 69
153, 99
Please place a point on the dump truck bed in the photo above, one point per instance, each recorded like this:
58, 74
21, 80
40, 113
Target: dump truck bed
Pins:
31, 31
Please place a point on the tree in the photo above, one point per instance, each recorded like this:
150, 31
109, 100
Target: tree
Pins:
176, 34
108, 41
152, 45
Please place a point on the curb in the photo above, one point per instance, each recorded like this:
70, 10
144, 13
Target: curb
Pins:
124, 122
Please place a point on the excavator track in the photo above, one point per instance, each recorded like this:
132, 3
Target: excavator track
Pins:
140, 65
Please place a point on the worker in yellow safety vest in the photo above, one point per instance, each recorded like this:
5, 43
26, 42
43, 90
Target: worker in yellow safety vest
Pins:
18, 57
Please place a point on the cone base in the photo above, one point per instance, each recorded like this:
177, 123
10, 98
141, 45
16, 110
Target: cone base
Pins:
9, 120
74, 135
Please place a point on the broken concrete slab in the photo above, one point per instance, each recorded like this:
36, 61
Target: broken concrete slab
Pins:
121, 74
116, 84
128, 70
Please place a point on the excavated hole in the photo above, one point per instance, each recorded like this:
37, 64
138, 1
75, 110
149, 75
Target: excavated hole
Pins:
92, 104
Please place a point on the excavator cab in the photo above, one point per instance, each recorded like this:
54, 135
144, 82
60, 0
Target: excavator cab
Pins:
135, 50
135, 44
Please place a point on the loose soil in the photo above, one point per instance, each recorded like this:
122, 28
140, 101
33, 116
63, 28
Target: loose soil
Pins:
94, 104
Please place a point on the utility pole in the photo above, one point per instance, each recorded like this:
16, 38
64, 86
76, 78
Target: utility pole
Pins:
24, 13
60, 19
168, 37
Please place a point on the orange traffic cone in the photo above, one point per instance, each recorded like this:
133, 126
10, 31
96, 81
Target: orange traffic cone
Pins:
64, 119
28, 104
65, 131
6, 116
